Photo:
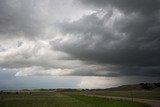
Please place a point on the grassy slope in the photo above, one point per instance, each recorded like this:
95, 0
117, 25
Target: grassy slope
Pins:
46, 99
137, 91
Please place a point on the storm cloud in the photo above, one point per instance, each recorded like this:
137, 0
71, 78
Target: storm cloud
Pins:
90, 39
145, 7
122, 33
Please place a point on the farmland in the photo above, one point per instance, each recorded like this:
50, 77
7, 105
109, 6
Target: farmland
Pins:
60, 99
154, 95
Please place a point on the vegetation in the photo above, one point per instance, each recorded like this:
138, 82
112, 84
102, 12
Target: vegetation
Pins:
74, 97
150, 86
135, 94
143, 90
59, 99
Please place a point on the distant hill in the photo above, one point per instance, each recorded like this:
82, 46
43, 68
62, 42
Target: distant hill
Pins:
141, 86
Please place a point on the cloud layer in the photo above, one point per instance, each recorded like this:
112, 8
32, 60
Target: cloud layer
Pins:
123, 35
108, 38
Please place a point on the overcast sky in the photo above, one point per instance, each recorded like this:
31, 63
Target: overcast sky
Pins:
78, 43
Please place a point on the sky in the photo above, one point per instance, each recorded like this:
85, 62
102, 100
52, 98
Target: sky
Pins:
78, 43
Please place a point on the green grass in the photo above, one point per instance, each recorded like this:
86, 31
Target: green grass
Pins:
102, 102
55, 99
137, 94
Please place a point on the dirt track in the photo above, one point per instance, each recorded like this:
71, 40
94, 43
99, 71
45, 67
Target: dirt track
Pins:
153, 103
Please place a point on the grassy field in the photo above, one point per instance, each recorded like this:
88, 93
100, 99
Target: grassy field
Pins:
136, 94
57, 99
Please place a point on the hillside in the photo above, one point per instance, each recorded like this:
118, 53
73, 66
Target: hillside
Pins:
141, 86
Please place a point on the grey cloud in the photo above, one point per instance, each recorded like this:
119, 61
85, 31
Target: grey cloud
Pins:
146, 7
20, 18
34, 19
34, 54
130, 42
121, 38
92, 40
118, 71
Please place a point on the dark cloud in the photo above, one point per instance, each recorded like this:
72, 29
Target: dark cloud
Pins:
146, 7
125, 34
119, 71
118, 37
